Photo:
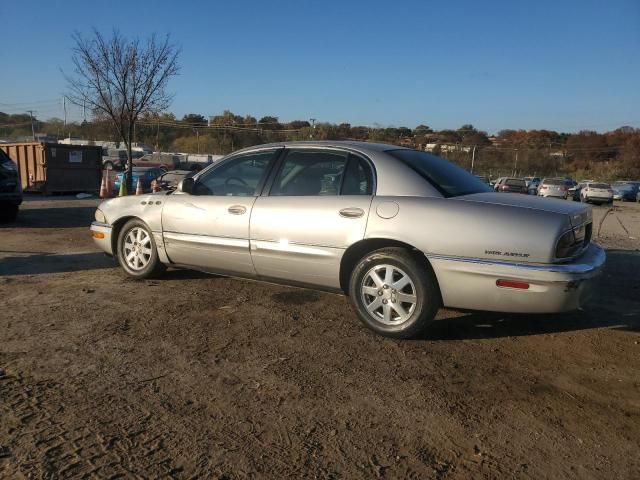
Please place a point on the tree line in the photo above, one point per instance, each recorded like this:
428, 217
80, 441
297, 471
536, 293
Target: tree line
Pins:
585, 154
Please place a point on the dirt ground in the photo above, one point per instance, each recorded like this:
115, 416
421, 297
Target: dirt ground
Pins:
196, 376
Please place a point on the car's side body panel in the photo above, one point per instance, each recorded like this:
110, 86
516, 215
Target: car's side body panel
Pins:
468, 229
210, 232
303, 238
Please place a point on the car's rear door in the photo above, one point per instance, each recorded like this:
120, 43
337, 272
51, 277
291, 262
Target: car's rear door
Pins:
209, 229
316, 205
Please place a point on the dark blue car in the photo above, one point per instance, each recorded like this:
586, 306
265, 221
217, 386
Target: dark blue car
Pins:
145, 174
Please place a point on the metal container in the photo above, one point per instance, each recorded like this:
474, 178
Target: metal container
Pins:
56, 168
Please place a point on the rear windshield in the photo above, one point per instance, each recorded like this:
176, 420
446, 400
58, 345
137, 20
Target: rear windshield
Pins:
553, 181
515, 182
599, 185
447, 178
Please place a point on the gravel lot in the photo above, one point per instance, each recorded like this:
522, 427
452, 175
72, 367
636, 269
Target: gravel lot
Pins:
195, 376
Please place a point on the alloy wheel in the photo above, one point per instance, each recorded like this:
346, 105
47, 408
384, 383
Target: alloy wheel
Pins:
137, 248
388, 294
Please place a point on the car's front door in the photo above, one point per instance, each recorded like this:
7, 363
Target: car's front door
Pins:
209, 229
317, 206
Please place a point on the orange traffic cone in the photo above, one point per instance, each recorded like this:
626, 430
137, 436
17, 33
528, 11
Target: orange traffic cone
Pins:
103, 188
154, 186
139, 188
109, 186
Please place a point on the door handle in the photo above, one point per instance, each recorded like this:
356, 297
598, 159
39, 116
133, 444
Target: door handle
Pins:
351, 212
237, 209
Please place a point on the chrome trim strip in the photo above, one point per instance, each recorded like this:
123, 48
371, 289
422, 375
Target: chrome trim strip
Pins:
101, 225
589, 265
207, 240
284, 246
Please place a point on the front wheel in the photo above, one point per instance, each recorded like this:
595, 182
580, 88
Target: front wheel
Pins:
393, 293
137, 251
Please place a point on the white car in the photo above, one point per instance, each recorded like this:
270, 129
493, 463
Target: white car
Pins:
596, 193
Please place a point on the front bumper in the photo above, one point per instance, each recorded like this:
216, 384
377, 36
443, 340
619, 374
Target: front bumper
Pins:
471, 283
101, 233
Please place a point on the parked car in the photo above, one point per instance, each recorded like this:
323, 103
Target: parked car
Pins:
553, 187
596, 193
400, 231
113, 158
10, 188
145, 174
625, 191
167, 161
495, 183
512, 185
171, 179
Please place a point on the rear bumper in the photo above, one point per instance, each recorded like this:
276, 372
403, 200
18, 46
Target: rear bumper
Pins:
471, 283
11, 198
599, 199
101, 233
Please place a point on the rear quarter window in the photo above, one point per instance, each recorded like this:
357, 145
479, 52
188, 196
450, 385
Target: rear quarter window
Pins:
449, 179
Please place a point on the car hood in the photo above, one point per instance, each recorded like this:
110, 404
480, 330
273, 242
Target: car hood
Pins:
524, 201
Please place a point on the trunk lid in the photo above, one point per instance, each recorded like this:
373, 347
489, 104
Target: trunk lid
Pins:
526, 201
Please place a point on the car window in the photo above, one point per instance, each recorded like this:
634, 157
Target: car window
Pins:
514, 182
358, 178
310, 173
599, 185
553, 181
449, 179
239, 177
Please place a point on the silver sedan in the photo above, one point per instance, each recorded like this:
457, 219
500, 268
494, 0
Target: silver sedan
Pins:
401, 232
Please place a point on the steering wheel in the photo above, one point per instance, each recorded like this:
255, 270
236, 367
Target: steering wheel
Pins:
228, 180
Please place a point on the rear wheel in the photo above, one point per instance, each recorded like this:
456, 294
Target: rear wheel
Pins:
137, 251
393, 293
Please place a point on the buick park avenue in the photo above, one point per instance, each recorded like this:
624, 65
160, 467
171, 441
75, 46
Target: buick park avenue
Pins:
400, 232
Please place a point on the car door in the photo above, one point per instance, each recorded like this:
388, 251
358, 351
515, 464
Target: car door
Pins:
209, 228
316, 206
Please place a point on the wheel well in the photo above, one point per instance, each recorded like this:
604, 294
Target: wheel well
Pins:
115, 232
358, 250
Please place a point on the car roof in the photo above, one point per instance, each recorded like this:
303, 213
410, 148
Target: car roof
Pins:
363, 147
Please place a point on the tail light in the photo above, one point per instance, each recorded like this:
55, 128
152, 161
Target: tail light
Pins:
543, 187
512, 284
563, 189
572, 241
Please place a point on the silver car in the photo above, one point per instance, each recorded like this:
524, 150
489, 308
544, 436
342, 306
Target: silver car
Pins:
401, 232
553, 187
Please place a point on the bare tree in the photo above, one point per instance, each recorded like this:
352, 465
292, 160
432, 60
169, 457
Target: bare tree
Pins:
121, 79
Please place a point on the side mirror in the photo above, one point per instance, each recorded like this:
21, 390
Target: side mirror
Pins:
186, 185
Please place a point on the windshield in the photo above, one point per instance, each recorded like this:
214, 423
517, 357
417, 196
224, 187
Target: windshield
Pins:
553, 181
447, 178
599, 185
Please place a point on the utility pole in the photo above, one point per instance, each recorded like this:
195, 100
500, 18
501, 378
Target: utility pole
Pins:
473, 158
198, 139
33, 132
515, 164
313, 126
64, 107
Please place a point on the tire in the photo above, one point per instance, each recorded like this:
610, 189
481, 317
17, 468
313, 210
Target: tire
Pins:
143, 265
421, 292
584, 199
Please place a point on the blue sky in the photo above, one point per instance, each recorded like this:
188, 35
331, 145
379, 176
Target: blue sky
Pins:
563, 64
